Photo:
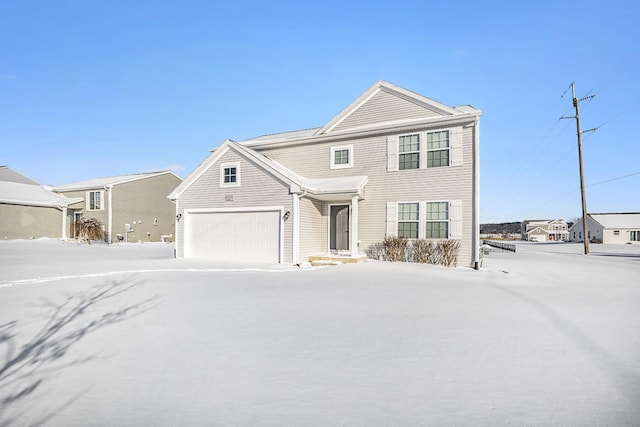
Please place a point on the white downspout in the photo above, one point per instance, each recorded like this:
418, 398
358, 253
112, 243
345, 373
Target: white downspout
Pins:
295, 246
353, 230
475, 240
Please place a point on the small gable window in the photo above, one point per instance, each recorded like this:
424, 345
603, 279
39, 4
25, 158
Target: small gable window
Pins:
341, 157
230, 174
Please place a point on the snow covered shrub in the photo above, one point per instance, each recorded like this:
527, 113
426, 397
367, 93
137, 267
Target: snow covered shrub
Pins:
423, 251
448, 251
395, 248
89, 229
377, 251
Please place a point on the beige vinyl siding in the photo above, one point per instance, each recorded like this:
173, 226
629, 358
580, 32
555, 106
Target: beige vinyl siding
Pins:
101, 215
257, 188
27, 222
384, 107
142, 201
370, 159
313, 228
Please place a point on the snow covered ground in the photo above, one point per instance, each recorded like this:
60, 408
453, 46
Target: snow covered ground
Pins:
126, 335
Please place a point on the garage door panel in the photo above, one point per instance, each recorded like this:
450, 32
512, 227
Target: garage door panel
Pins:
234, 236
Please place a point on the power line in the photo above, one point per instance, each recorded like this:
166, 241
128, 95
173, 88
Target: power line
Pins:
587, 186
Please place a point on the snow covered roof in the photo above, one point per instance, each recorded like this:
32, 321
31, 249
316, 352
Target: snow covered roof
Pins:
283, 136
331, 128
618, 220
108, 181
16, 193
334, 188
9, 174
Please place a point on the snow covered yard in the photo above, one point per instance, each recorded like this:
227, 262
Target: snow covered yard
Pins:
127, 335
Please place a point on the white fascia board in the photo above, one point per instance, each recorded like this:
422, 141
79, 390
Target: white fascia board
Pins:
201, 169
393, 127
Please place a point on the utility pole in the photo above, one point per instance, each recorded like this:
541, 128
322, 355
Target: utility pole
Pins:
576, 104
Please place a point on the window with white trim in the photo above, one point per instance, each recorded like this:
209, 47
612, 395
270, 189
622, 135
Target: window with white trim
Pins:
341, 157
616, 232
634, 235
425, 150
438, 149
230, 174
409, 151
437, 220
95, 200
408, 220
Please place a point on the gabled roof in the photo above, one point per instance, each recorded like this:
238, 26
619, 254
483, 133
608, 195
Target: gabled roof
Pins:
108, 181
537, 230
383, 86
617, 220
11, 175
424, 111
16, 193
316, 187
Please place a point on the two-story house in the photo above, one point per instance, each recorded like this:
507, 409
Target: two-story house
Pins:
392, 163
130, 207
544, 230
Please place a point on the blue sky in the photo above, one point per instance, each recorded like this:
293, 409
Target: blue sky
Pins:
91, 89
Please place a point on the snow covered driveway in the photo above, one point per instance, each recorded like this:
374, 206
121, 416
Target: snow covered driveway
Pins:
127, 335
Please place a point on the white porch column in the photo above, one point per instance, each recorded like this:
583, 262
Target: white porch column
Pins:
295, 245
64, 223
353, 227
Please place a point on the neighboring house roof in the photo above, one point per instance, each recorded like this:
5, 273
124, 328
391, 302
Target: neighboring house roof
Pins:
16, 193
11, 175
316, 187
538, 230
108, 181
617, 220
438, 110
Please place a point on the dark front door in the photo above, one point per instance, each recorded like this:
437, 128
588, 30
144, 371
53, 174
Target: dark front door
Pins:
339, 224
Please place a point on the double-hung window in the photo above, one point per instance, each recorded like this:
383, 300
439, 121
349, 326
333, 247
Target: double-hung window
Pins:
437, 224
409, 151
95, 200
438, 149
408, 220
230, 174
634, 235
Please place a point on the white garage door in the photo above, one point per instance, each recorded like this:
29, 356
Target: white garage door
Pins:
233, 236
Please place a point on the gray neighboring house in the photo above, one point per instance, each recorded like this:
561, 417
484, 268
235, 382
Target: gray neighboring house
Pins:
29, 210
609, 228
139, 200
392, 163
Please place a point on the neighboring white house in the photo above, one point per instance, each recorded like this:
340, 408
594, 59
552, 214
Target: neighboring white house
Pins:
393, 163
607, 228
545, 230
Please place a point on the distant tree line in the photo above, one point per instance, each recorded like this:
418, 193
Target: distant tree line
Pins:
501, 228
